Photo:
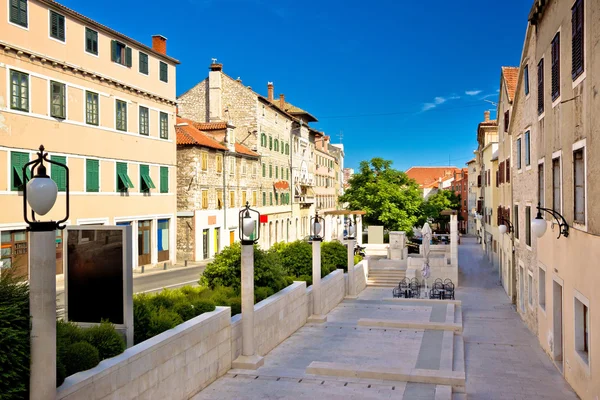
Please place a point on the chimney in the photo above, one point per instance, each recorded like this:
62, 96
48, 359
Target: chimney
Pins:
215, 103
282, 101
486, 116
159, 44
270, 91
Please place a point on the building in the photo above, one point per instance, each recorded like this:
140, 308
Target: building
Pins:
325, 187
100, 102
431, 179
474, 179
460, 186
348, 172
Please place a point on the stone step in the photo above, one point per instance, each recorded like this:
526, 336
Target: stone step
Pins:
386, 281
383, 285
384, 276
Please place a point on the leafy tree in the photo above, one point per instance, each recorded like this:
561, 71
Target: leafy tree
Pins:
438, 202
388, 196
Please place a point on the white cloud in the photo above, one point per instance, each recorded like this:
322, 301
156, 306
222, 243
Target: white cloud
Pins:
438, 100
428, 106
488, 95
472, 92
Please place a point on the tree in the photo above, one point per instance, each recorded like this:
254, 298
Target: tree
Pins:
436, 203
388, 196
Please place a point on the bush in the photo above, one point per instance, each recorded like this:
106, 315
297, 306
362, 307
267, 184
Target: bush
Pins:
162, 320
61, 372
201, 306
357, 258
333, 256
307, 278
106, 339
236, 306
296, 257
142, 312
261, 293
14, 337
80, 356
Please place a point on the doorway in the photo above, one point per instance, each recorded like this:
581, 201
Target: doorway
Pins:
205, 244
217, 239
163, 240
231, 237
522, 289
144, 242
557, 325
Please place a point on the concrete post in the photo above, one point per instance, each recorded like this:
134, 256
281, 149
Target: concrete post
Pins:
316, 283
42, 307
249, 359
351, 281
359, 230
453, 241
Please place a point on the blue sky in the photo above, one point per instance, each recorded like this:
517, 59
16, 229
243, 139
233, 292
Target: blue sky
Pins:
402, 80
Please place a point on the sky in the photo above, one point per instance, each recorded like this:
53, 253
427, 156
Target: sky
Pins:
402, 80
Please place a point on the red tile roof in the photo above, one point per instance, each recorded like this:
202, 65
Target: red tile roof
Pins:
511, 76
209, 126
426, 176
189, 135
240, 148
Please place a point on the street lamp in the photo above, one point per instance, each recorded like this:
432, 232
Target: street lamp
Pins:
40, 194
351, 242
505, 226
539, 225
317, 224
248, 237
351, 229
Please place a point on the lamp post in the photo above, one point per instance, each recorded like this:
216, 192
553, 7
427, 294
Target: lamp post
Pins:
40, 194
539, 226
316, 237
351, 242
249, 235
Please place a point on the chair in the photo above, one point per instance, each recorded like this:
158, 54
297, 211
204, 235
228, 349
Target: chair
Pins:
397, 292
447, 280
415, 288
449, 291
438, 280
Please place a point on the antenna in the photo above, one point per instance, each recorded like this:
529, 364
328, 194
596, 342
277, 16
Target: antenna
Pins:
341, 136
214, 60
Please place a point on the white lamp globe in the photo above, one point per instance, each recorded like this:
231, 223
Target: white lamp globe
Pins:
247, 226
316, 228
539, 226
41, 194
351, 230
502, 229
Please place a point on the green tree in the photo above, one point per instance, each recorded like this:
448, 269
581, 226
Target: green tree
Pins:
388, 196
438, 202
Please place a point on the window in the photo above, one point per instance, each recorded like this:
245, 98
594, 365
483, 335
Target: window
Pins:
582, 333
287, 174
231, 199
264, 170
231, 166
508, 169
204, 161
121, 115
254, 198
219, 199
541, 184
527, 149
519, 153
263, 139
205, 199
516, 221
123, 181
542, 288
164, 125
526, 79
244, 167
18, 12
270, 199
276, 172
19, 91
579, 179
530, 289
287, 148
91, 41
57, 26
276, 198
144, 121
57, 100
556, 203
254, 169
270, 143
146, 182
577, 41
162, 239
270, 170
244, 198
276, 145
528, 225
92, 175
120, 53
556, 66
17, 161
164, 179
219, 162
164, 72
541, 87
506, 120
264, 199
281, 172
143, 63
91, 108
58, 173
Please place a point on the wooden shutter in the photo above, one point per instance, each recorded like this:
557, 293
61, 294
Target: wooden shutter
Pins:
556, 67
479, 181
113, 50
497, 178
506, 120
59, 175
577, 40
541, 86
508, 170
91, 175
164, 179
128, 56
54, 24
61, 27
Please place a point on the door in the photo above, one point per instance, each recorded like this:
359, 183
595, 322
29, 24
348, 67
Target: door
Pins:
231, 237
205, 244
13, 252
522, 289
217, 239
162, 237
557, 326
144, 242
59, 252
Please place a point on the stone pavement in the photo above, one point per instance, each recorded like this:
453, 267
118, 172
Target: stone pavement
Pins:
503, 358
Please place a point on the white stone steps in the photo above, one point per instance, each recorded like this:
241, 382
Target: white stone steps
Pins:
379, 284
388, 323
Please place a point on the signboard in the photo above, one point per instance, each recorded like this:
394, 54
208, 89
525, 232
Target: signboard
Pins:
99, 277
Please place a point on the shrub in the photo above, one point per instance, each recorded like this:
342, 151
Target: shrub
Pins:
289, 280
142, 312
185, 310
61, 372
268, 270
261, 293
201, 306
68, 333
296, 257
14, 337
357, 258
333, 256
236, 306
80, 356
106, 339
307, 278
162, 320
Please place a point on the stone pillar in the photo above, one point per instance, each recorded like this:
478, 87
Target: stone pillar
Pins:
316, 285
249, 359
42, 308
351, 280
359, 230
454, 241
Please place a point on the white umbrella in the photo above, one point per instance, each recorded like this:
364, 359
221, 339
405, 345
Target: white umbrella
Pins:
425, 272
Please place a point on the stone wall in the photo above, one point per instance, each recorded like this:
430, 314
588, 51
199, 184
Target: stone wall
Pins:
185, 238
361, 273
333, 290
176, 364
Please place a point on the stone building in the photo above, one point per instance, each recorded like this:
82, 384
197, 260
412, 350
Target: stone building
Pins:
472, 195
100, 102
325, 188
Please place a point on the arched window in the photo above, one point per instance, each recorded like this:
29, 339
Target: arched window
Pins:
276, 146
270, 142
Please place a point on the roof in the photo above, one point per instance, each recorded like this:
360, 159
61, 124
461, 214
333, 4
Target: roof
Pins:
472, 160
425, 176
209, 126
511, 76
188, 135
105, 28
292, 109
240, 148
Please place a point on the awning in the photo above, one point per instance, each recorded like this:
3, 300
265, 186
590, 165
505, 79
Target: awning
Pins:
281, 185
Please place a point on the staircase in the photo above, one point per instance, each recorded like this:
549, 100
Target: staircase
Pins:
385, 277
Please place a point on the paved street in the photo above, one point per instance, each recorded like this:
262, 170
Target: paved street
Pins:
503, 358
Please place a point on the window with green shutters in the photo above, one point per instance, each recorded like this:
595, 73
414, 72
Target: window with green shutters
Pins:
121, 115
17, 161
91, 108
264, 202
58, 107
92, 175
58, 173
270, 143
276, 145
276, 198
164, 72
287, 149
276, 172
264, 170
18, 12
270, 171
164, 179
123, 181
144, 63
91, 41
120, 53
281, 172
270, 199
144, 121
19, 91
164, 125
146, 182
287, 174
57, 26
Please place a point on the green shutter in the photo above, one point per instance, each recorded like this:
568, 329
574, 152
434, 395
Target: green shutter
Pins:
113, 50
17, 161
92, 178
146, 182
58, 173
164, 179
128, 56
123, 181
18, 12
164, 72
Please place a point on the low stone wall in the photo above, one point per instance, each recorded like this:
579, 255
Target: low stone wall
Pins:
361, 274
333, 290
176, 364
